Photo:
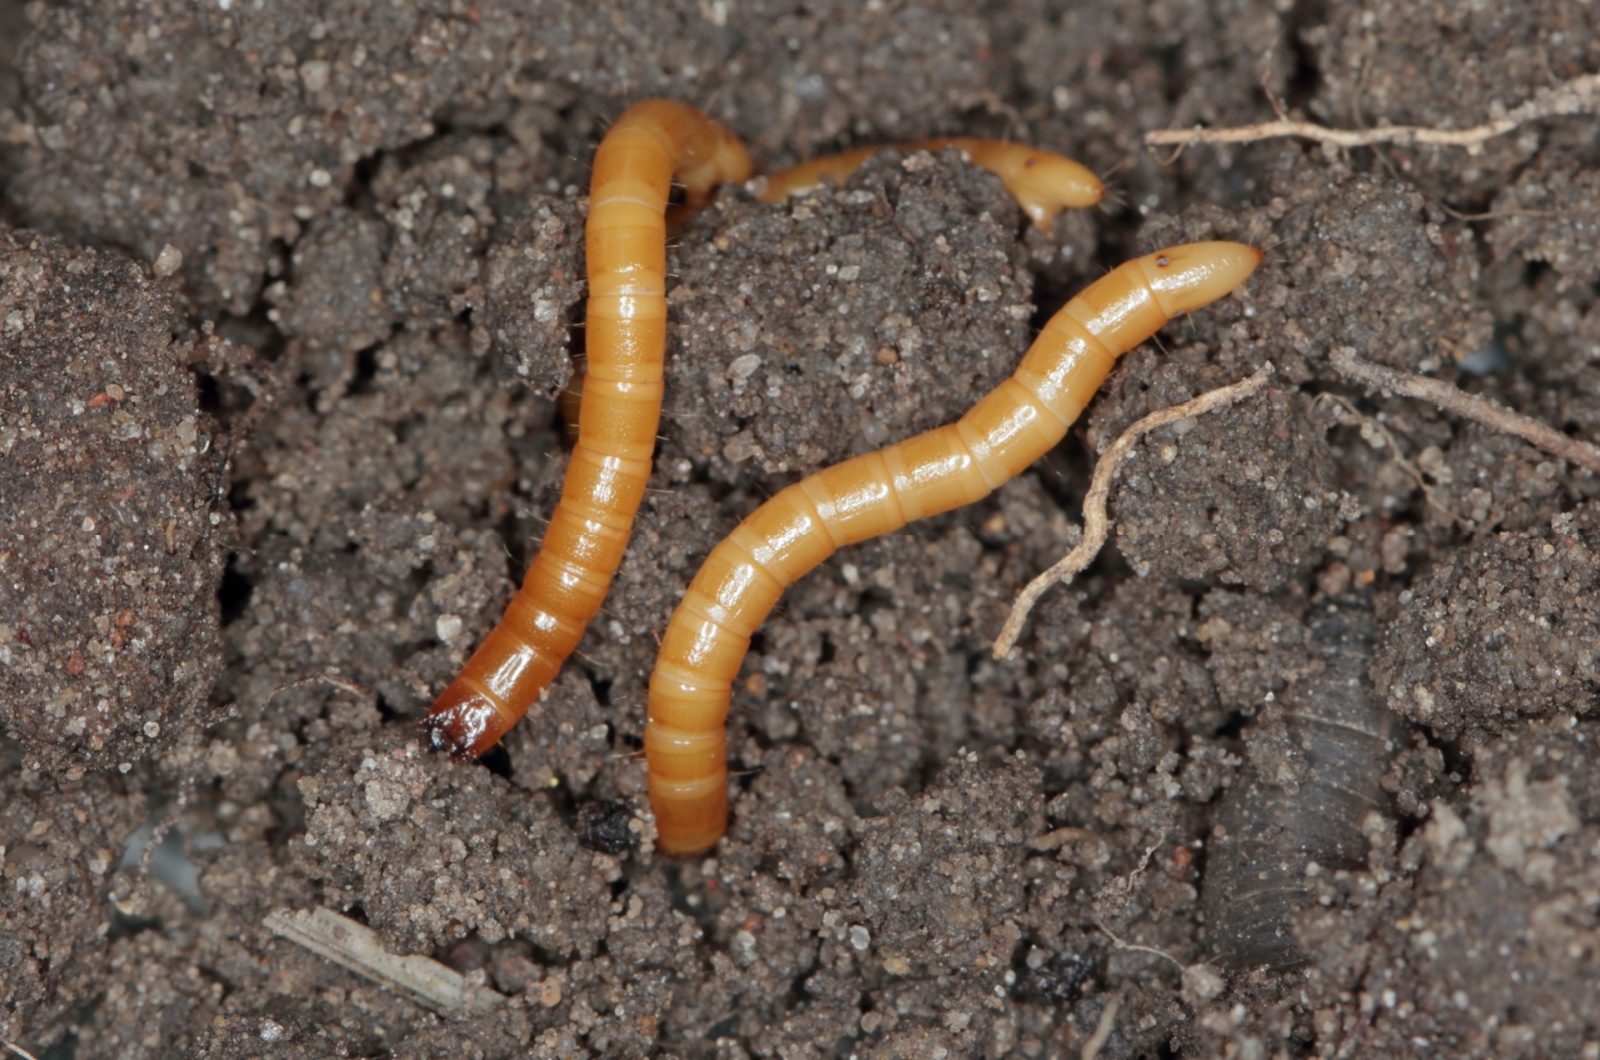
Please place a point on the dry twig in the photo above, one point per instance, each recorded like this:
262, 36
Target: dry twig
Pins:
1489, 413
1096, 523
357, 947
1580, 95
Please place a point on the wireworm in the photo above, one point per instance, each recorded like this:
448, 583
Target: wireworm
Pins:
1042, 183
1267, 836
1016, 423
625, 242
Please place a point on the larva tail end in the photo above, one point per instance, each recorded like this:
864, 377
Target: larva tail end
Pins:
686, 848
1187, 277
464, 722
691, 815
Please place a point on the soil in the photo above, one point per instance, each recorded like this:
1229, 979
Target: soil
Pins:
289, 291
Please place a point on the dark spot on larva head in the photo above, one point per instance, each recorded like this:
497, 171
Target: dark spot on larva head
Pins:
1163, 261
1029, 162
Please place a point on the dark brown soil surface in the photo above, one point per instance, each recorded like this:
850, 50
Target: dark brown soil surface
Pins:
288, 291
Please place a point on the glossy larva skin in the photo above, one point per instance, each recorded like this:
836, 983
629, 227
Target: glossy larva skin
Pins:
1042, 183
1011, 427
634, 167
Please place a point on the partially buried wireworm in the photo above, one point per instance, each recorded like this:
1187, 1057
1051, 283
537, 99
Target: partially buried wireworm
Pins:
1042, 183
1267, 836
625, 241
1011, 427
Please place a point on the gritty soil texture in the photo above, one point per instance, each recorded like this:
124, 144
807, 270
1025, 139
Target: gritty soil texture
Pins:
287, 293
113, 514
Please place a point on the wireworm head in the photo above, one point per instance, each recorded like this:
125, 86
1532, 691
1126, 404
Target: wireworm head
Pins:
1186, 277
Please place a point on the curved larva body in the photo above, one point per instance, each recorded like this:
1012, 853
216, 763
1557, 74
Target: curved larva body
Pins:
1015, 424
1267, 836
1042, 183
621, 406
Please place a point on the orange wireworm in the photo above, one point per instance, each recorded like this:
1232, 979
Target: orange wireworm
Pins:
1042, 183
625, 240
1016, 423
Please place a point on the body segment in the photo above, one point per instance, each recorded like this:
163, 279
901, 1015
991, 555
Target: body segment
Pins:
1008, 429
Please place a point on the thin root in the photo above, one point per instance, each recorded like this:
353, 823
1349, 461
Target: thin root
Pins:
1491, 414
1580, 95
158, 834
1396, 455
327, 677
1096, 524
1136, 947
1102, 1029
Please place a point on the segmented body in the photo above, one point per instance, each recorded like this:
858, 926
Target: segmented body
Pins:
626, 239
1015, 424
1267, 836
